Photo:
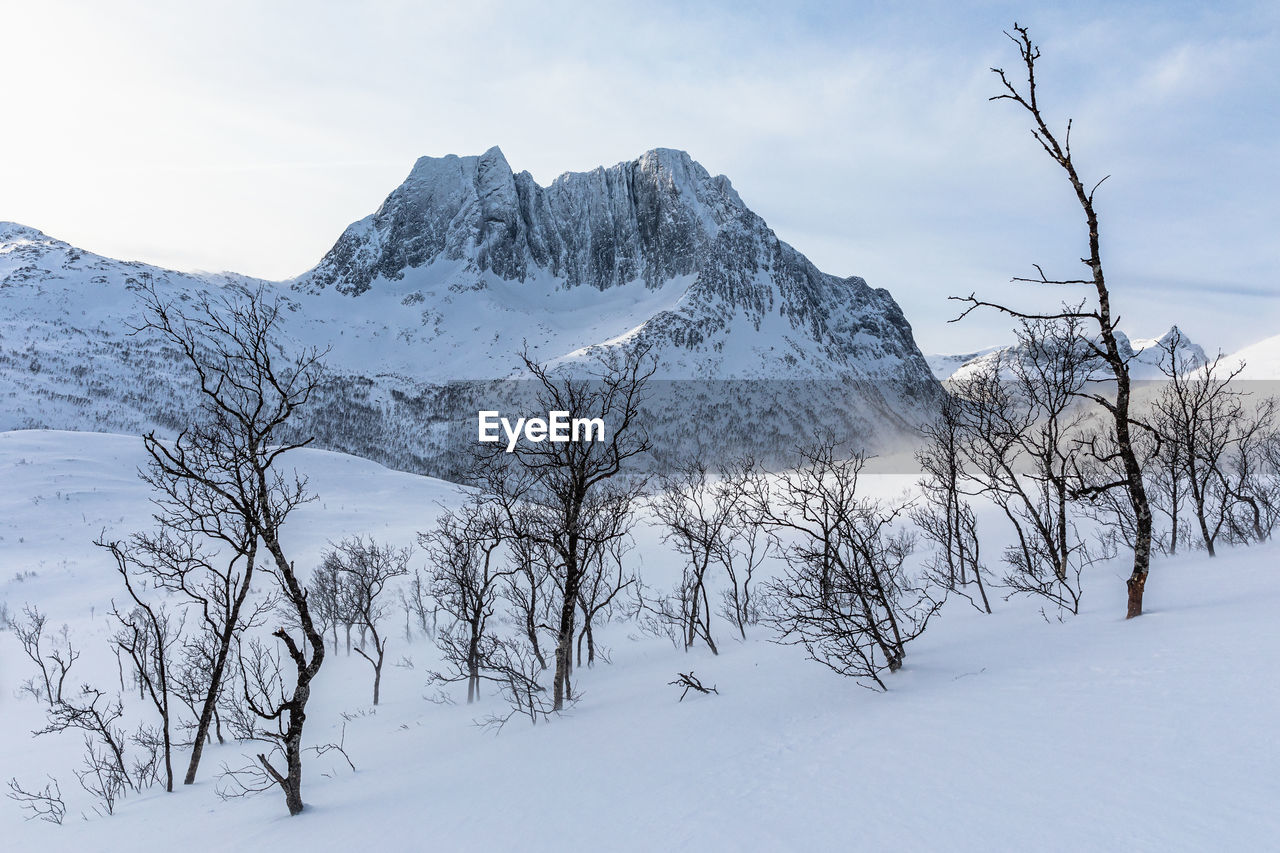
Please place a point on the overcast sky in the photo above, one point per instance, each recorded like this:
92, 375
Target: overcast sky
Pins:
246, 136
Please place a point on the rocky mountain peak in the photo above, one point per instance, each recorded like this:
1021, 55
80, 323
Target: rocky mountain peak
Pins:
639, 220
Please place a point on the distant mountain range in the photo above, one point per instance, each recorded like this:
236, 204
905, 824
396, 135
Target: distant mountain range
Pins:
1143, 356
425, 304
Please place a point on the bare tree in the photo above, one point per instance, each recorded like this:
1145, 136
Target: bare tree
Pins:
217, 587
1214, 440
367, 568
528, 590
53, 659
845, 596
1252, 475
105, 774
221, 479
697, 515
45, 804
512, 665
147, 635
1196, 415
1021, 428
947, 519
229, 464
331, 599
1163, 467
550, 492
419, 610
748, 544
605, 549
466, 576
1107, 348
1267, 469
101, 776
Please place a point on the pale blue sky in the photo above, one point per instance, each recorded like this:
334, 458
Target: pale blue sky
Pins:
245, 136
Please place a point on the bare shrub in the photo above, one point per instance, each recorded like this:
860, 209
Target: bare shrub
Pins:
466, 576
365, 568
845, 596
44, 804
947, 519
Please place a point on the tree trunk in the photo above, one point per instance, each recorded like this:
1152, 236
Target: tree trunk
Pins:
293, 788
473, 661
1135, 584
168, 749
1137, 497
562, 689
210, 704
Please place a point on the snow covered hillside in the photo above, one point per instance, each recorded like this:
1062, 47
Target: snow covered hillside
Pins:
1261, 360
424, 302
1002, 732
944, 365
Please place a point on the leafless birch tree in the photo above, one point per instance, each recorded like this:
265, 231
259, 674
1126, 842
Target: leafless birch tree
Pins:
1057, 146
552, 492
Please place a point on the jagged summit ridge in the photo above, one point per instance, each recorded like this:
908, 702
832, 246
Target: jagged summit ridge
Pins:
645, 219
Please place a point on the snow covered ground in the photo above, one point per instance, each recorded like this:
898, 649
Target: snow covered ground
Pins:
1003, 732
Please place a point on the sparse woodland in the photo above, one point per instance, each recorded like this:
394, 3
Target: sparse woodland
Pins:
222, 633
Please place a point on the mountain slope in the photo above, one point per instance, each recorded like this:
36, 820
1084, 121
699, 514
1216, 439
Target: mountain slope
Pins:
1261, 360
464, 266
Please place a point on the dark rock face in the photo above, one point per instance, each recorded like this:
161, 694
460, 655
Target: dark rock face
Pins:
637, 220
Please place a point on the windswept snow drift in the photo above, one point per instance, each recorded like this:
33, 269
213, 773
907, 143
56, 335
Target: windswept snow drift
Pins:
1003, 732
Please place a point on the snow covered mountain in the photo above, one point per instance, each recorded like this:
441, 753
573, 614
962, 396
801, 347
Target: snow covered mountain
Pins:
1261, 360
1142, 354
943, 365
464, 265
654, 249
